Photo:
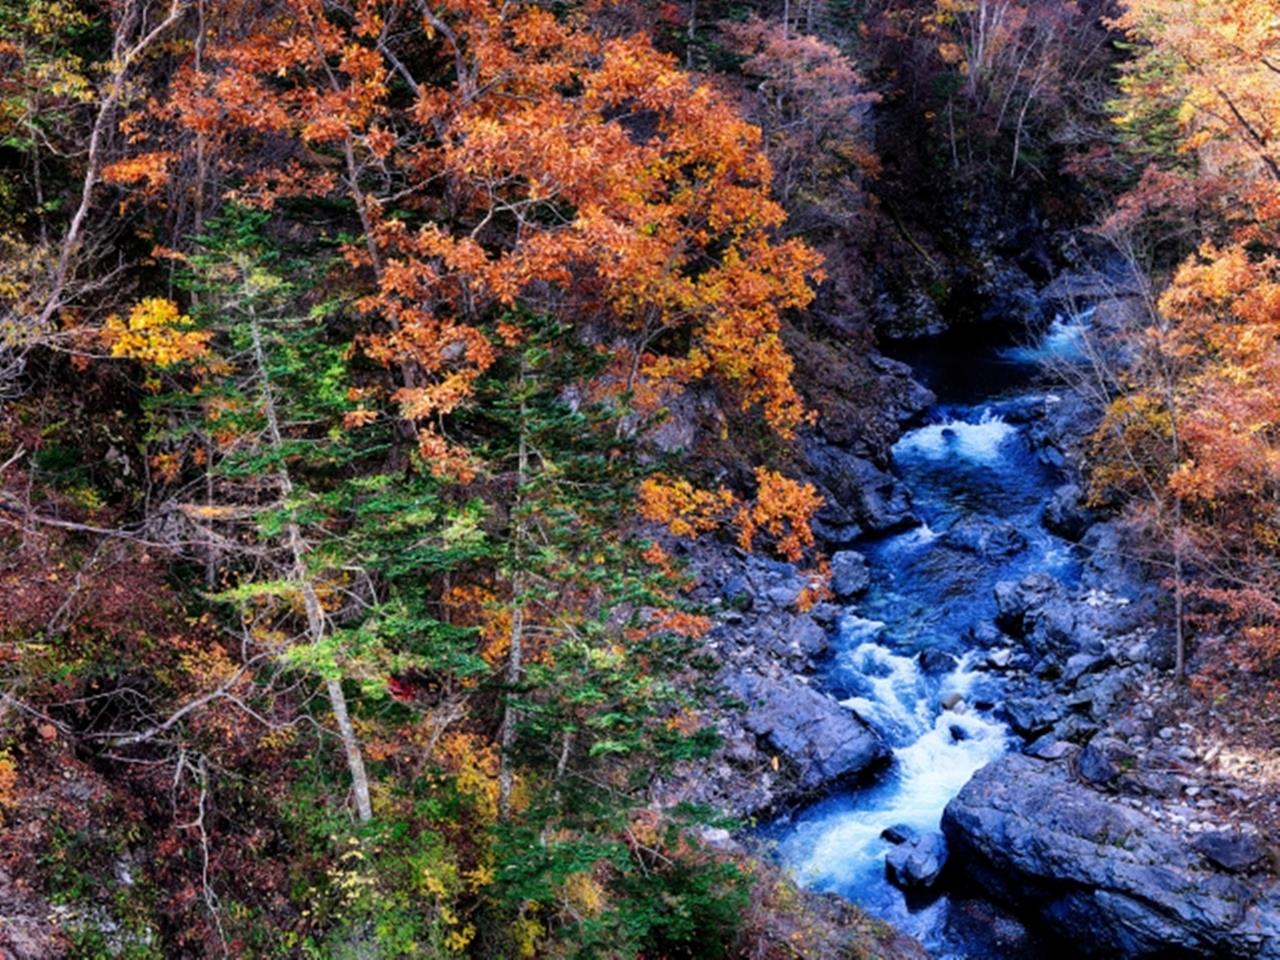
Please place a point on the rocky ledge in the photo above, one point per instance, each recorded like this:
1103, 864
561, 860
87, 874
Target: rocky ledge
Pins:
784, 738
1107, 877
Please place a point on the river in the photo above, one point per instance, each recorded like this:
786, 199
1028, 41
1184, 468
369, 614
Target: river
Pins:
979, 488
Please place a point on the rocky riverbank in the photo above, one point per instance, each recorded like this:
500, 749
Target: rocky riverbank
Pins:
1115, 822
786, 739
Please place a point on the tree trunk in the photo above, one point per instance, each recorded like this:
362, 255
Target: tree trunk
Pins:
311, 601
515, 653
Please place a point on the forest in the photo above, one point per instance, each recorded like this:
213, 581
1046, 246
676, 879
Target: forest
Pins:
640, 479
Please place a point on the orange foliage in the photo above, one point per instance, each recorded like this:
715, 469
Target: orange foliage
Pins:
156, 333
515, 155
782, 510
1216, 406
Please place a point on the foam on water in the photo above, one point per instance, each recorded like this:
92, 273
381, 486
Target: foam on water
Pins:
891, 692
979, 441
1063, 340
939, 751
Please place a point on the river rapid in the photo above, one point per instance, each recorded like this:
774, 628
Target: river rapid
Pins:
979, 489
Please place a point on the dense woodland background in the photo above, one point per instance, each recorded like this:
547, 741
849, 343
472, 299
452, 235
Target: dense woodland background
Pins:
365, 366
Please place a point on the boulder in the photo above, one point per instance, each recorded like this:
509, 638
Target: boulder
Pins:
849, 574
1103, 760
1106, 878
856, 491
899, 833
1065, 515
1032, 717
1231, 850
1083, 664
917, 863
1015, 599
989, 539
934, 661
822, 743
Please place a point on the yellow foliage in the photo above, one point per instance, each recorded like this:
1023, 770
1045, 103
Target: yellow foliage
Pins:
157, 333
8, 783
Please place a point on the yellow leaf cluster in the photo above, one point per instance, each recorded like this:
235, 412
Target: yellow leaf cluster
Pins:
156, 332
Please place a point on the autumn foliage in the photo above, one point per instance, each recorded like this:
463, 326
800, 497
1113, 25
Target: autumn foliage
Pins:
1198, 426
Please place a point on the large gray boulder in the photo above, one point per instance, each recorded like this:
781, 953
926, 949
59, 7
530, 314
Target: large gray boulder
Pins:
856, 492
1111, 881
1016, 598
989, 539
821, 742
1065, 514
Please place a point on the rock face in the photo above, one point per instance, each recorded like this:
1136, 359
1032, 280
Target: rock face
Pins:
856, 492
822, 742
1109, 879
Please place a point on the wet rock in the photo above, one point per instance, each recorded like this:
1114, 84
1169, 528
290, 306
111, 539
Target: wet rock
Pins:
1082, 664
998, 660
1236, 852
917, 863
899, 833
1106, 878
989, 539
1056, 628
1065, 515
985, 635
822, 742
1032, 717
952, 701
1015, 599
934, 661
958, 733
849, 574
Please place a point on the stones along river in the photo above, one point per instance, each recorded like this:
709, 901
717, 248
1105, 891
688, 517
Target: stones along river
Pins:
912, 657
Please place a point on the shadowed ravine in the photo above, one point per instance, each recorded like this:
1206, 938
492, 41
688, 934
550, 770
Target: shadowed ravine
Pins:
978, 489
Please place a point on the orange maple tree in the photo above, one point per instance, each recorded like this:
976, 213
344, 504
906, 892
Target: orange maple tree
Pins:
497, 153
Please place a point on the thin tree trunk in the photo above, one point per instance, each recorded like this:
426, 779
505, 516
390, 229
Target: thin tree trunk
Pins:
123, 58
311, 601
515, 653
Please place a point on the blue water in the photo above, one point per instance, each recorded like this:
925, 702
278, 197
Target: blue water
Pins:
967, 462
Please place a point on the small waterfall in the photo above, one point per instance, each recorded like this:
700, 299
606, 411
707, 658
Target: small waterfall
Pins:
1063, 341
936, 752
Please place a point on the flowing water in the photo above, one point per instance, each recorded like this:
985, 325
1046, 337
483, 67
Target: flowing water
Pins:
968, 465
